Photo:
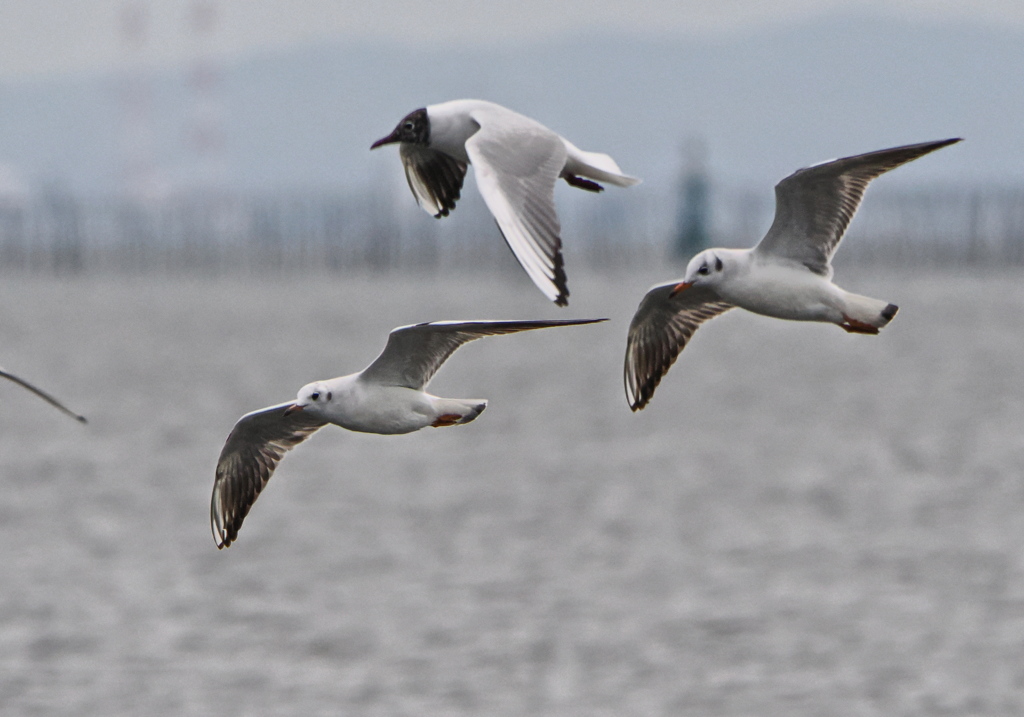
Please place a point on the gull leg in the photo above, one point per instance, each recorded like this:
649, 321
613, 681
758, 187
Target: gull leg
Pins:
582, 183
456, 411
446, 419
853, 326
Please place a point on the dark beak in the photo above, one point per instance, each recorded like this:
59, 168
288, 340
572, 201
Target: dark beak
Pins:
390, 139
292, 409
681, 286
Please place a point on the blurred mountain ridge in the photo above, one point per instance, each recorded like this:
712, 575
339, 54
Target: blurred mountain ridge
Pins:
764, 103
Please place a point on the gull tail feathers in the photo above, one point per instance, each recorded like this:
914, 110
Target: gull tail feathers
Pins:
864, 315
595, 165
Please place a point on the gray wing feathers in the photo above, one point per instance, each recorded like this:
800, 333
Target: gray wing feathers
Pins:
660, 330
414, 353
255, 446
516, 173
435, 178
814, 206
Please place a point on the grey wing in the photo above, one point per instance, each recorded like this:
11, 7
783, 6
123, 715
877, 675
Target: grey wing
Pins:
660, 329
434, 178
42, 394
255, 446
516, 170
814, 206
415, 353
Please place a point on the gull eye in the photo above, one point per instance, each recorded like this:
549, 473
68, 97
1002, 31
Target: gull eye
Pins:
408, 126
315, 395
703, 271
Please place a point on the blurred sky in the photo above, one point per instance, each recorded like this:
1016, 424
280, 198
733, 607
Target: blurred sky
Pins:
296, 91
46, 37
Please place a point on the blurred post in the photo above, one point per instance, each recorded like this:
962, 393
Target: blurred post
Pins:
205, 131
139, 171
692, 227
65, 226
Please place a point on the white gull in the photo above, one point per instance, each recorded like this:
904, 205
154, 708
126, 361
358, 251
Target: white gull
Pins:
386, 397
788, 275
517, 160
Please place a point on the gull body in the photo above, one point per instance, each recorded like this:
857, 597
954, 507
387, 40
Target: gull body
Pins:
784, 290
368, 407
788, 275
386, 397
517, 160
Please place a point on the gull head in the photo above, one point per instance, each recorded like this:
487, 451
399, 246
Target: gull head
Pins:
312, 398
705, 269
413, 129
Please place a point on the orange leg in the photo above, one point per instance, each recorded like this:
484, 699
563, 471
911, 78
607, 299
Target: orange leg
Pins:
853, 326
446, 419
583, 183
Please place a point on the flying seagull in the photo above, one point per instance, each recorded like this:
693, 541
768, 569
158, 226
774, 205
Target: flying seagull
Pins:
388, 397
788, 275
517, 160
42, 394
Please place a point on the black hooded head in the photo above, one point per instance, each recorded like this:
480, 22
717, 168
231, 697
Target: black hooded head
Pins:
413, 129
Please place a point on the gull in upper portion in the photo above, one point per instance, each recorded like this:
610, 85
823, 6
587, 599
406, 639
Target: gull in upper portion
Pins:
386, 397
788, 275
517, 160
42, 394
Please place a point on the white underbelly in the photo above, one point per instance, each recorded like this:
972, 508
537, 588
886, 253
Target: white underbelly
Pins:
786, 293
386, 410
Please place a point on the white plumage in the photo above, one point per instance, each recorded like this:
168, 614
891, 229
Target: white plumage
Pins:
387, 397
788, 275
517, 161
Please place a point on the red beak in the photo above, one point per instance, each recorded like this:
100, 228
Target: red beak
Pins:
393, 137
681, 286
292, 409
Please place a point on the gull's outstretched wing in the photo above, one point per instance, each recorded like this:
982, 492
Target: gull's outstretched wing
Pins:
434, 178
660, 329
415, 353
255, 446
42, 394
813, 206
517, 162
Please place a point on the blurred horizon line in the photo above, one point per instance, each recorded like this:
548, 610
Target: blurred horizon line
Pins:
381, 229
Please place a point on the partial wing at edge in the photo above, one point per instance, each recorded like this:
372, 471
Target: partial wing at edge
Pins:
42, 394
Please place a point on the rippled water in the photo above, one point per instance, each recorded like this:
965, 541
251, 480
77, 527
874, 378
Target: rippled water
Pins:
803, 522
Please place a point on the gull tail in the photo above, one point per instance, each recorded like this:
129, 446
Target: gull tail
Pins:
457, 411
864, 315
594, 165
